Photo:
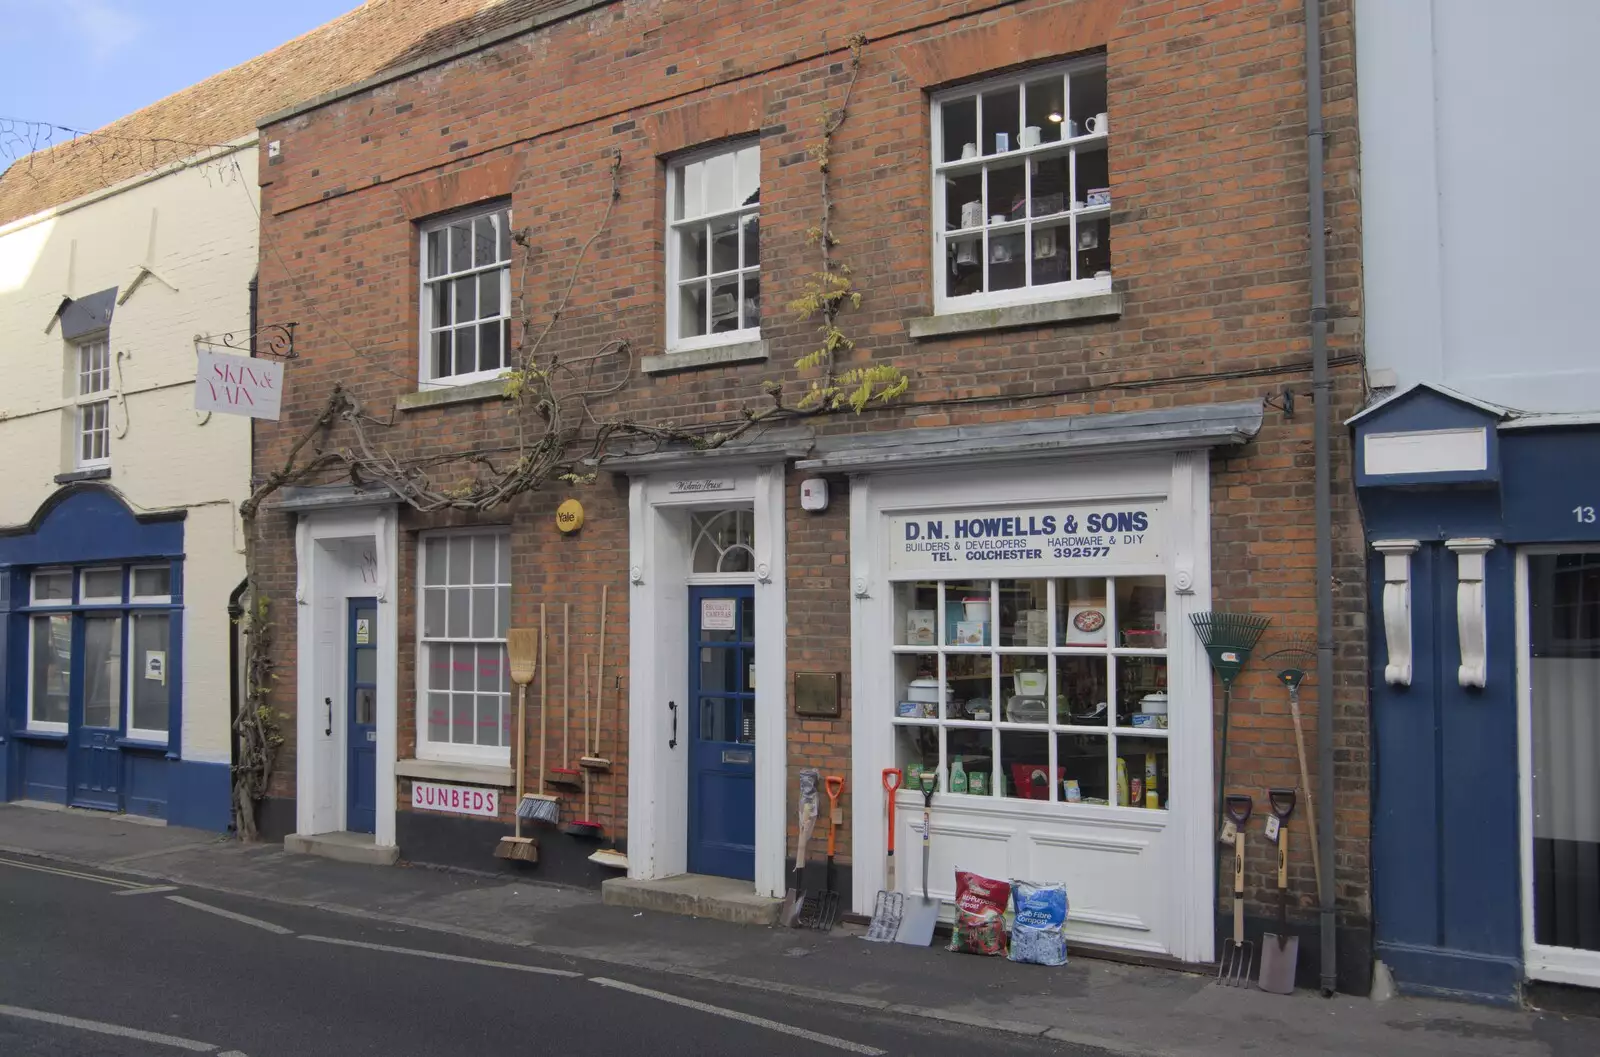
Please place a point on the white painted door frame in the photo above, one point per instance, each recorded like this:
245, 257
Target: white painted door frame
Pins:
1562, 965
659, 571
1184, 922
324, 581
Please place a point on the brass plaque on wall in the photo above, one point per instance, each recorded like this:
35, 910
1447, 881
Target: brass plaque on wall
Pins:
816, 694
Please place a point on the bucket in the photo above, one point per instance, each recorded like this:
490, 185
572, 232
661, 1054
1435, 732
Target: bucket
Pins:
975, 608
1154, 704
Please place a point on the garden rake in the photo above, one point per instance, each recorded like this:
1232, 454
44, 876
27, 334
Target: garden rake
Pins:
1294, 662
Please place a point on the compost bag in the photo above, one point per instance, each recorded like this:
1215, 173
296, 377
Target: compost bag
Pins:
1039, 936
980, 926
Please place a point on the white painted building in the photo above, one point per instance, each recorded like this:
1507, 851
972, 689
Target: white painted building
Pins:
120, 540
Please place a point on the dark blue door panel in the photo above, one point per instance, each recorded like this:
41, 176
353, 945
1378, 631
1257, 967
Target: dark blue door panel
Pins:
722, 765
361, 705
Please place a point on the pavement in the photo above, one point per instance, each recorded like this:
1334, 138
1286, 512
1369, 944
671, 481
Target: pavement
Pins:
1088, 1006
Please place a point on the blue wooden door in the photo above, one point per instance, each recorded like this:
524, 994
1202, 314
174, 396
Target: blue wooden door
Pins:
722, 732
96, 711
361, 708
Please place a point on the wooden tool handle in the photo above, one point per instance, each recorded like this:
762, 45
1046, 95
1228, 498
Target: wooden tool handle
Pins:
1238, 888
1283, 856
835, 786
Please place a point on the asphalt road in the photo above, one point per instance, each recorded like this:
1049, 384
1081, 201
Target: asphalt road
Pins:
94, 968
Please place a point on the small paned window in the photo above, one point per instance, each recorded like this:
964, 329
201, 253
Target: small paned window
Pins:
466, 608
466, 298
93, 431
714, 252
1022, 189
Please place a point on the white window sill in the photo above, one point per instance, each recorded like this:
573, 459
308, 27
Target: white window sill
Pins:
714, 356
441, 771
445, 394
1084, 308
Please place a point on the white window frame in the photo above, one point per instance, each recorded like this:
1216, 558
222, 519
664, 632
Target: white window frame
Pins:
33, 590
137, 599
501, 212
941, 170
135, 671
91, 397
674, 231
85, 599
39, 725
448, 751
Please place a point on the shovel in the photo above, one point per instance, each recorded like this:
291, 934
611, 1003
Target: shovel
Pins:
1280, 951
923, 914
890, 907
1233, 968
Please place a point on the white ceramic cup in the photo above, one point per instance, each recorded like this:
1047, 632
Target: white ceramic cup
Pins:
1098, 125
996, 218
1030, 136
969, 150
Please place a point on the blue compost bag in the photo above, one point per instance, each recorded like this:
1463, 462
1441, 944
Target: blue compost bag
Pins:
1039, 936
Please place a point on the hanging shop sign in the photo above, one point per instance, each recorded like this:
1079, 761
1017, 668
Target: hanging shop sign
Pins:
455, 799
1013, 540
238, 385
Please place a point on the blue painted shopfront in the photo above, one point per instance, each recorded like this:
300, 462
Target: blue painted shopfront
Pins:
91, 663
1472, 897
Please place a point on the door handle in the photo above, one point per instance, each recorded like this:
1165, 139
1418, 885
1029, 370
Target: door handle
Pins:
672, 706
329, 702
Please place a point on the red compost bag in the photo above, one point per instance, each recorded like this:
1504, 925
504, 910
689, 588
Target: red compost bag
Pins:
980, 926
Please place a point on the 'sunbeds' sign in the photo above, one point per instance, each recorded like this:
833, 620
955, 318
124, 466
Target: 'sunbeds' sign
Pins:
455, 799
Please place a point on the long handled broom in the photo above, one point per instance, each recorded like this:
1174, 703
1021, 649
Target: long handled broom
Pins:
584, 827
523, 650
539, 807
592, 760
565, 776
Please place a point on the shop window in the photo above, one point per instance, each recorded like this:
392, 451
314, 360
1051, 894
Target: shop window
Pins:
714, 248
1053, 690
461, 654
724, 541
466, 297
125, 645
1021, 188
51, 672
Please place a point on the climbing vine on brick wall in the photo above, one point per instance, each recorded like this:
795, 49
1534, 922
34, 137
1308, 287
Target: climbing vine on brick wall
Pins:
561, 437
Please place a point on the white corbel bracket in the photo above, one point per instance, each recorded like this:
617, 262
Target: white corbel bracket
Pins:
1471, 615
1397, 607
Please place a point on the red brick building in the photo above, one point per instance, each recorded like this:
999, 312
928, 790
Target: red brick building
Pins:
1079, 228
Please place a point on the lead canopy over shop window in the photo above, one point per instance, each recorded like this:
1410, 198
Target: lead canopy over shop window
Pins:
1021, 188
466, 608
1045, 681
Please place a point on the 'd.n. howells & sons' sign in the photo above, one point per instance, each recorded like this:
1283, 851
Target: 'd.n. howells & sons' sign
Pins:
1042, 538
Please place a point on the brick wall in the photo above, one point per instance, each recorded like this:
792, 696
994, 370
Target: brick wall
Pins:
1209, 244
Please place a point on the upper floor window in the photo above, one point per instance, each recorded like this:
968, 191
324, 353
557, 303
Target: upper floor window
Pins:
1021, 188
714, 248
92, 431
466, 297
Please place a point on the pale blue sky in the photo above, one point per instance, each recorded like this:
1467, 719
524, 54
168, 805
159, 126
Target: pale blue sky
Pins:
85, 63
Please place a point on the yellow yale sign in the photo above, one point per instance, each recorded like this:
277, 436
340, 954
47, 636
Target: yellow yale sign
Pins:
569, 516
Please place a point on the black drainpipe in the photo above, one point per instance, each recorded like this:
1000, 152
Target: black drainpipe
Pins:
1322, 391
235, 615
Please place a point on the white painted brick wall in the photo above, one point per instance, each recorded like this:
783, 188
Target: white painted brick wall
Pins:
164, 455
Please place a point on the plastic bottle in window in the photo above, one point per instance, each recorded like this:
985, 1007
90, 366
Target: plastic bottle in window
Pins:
958, 777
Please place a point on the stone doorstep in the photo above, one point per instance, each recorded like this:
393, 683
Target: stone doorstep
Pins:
694, 895
345, 847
